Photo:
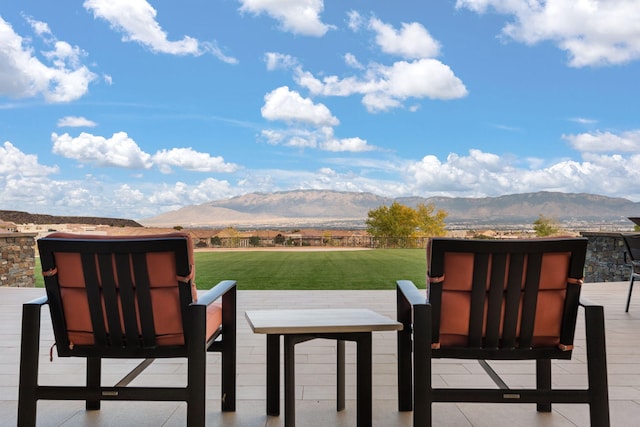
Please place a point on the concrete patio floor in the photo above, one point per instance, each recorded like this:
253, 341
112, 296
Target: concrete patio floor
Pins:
315, 372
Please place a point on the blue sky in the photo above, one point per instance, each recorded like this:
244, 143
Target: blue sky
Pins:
132, 108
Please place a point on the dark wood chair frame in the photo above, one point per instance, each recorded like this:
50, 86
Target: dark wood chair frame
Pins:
632, 259
129, 257
421, 317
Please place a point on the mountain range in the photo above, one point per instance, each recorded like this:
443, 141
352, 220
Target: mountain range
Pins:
325, 208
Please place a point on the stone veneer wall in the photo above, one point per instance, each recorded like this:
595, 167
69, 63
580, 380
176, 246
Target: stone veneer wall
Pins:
17, 258
605, 258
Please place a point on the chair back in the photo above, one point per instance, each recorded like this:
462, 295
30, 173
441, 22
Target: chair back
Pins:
632, 245
118, 296
504, 295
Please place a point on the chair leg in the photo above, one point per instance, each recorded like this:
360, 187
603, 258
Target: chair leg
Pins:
422, 390
633, 278
29, 353
228, 378
197, 369
229, 351
597, 366
543, 383
405, 371
94, 369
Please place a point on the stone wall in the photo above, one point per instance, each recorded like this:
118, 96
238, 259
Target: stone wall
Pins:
17, 258
605, 258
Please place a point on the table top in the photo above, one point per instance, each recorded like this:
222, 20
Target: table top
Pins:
323, 320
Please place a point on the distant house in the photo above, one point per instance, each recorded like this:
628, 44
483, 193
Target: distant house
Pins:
8, 227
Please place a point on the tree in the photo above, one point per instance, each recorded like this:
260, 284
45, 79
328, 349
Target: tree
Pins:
545, 226
327, 239
397, 222
234, 236
430, 223
254, 241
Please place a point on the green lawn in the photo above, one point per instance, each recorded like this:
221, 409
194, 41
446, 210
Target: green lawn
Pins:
357, 270
372, 269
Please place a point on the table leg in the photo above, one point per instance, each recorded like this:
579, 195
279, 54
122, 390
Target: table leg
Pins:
273, 374
289, 381
340, 375
364, 383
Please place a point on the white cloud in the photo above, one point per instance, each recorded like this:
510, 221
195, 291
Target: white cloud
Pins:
174, 196
15, 163
119, 150
384, 87
24, 75
26, 185
354, 145
312, 124
294, 137
189, 159
413, 41
592, 32
122, 151
354, 20
352, 61
277, 60
136, 19
605, 142
322, 138
295, 16
24, 182
40, 28
72, 121
215, 50
481, 174
584, 120
287, 105
387, 87
126, 192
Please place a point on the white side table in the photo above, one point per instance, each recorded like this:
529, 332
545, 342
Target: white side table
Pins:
303, 325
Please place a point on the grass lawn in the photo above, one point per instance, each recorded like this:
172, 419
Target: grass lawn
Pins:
258, 270
356, 270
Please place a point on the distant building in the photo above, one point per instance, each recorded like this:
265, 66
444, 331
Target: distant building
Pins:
8, 227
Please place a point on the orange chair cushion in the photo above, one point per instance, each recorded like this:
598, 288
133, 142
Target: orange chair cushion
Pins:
456, 299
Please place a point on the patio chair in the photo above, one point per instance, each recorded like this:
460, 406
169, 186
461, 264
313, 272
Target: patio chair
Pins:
499, 300
632, 259
127, 298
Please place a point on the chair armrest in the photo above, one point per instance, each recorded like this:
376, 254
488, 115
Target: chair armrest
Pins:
216, 292
38, 301
586, 303
410, 293
593, 317
408, 298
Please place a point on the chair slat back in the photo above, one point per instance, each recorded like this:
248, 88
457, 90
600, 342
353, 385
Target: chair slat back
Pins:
117, 297
498, 294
